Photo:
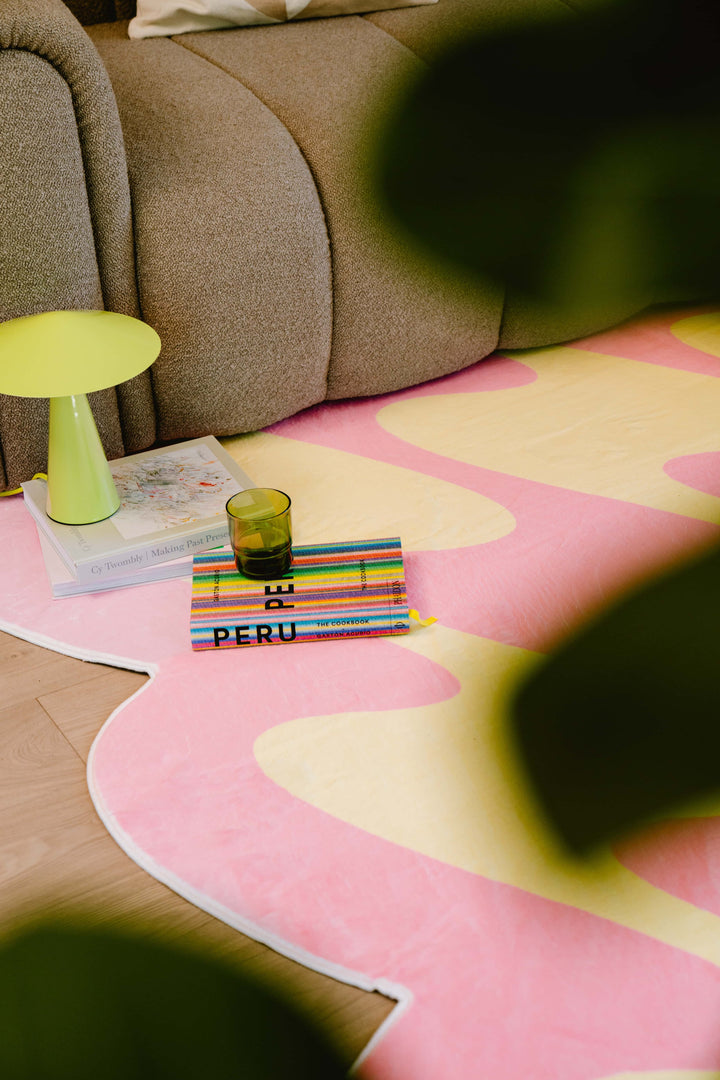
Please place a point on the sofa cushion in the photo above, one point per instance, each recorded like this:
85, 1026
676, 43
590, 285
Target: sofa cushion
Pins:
65, 216
432, 30
329, 81
232, 250
164, 17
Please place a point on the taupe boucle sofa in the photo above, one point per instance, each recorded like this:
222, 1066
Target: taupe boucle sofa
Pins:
212, 184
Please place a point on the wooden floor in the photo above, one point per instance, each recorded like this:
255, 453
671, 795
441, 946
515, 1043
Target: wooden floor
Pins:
55, 854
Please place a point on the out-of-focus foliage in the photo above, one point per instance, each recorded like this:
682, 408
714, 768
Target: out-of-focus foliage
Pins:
84, 1003
623, 721
573, 159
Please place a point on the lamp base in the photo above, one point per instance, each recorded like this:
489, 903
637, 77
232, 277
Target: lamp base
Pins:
81, 489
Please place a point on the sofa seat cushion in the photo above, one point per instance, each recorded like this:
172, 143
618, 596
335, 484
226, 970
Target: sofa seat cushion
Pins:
263, 258
232, 251
397, 319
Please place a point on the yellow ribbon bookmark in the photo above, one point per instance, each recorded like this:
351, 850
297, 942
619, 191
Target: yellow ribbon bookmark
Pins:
423, 622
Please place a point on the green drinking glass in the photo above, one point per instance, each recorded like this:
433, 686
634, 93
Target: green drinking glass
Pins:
260, 532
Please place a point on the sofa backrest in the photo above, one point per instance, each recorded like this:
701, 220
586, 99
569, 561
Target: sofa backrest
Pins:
89, 12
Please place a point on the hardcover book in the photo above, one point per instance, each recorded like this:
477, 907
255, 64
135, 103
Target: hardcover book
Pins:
349, 589
63, 583
172, 504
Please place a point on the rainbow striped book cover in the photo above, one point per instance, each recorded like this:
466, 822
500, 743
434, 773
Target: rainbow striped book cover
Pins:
351, 589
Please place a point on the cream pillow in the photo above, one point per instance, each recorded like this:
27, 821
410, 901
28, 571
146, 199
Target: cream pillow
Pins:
159, 18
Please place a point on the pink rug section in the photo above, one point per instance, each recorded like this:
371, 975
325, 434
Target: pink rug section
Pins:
680, 857
530, 595
493, 982
699, 471
655, 345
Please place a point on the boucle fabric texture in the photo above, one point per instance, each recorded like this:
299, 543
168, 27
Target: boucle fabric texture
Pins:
233, 262
66, 231
394, 323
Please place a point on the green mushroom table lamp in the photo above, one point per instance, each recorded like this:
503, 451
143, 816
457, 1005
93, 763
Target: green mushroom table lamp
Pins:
65, 355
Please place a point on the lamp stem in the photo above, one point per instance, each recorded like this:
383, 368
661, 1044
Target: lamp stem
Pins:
81, 489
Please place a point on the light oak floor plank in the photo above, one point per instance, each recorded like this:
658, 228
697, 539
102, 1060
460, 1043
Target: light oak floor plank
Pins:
56, 856
28, 671
76, 714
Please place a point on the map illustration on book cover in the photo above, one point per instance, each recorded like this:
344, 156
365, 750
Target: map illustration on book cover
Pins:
175, 489
172, 504
348, 589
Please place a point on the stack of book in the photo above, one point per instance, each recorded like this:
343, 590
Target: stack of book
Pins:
172, 505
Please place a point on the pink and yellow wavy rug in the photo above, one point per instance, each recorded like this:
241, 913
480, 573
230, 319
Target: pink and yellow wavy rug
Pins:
354, 804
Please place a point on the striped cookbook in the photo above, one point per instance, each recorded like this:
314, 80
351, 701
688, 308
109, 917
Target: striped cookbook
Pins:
348, 589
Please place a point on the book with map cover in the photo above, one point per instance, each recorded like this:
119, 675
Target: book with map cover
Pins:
172, 504
347, 589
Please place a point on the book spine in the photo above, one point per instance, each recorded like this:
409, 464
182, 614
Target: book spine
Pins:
108, 566
230, 635
43, 526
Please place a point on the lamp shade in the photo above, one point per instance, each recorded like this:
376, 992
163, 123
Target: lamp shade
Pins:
60, 353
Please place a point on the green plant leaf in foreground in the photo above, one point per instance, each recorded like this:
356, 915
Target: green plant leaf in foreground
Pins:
89, 1004
622, 722
571, 157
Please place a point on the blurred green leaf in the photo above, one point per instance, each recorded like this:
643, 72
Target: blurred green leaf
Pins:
90, 1004
574, 160
623, 720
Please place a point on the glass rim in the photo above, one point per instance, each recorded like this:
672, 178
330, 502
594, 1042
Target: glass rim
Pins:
273, 491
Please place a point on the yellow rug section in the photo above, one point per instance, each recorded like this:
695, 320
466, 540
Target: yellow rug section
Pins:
442, 780
599, 424
341, 496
